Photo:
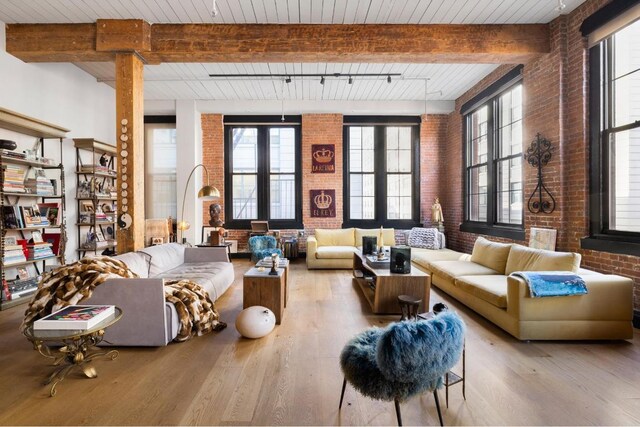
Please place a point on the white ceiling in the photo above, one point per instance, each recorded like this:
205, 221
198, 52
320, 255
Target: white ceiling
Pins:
191, 81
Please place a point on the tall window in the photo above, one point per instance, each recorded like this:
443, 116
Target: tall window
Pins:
160, 167
382, 162
263, 179
615, 141
493, 160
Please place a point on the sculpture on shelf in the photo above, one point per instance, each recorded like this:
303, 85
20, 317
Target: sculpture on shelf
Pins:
6, 144
437, 217
214, 212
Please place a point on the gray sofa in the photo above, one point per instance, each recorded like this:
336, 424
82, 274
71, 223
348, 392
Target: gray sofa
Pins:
147, 319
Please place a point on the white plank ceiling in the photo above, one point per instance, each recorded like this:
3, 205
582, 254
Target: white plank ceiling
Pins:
191, 81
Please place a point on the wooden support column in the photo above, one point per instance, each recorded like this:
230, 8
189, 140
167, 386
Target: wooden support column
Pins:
130, 136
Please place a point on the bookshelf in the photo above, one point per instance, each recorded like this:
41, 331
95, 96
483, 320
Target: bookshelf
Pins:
32, 203
96, 197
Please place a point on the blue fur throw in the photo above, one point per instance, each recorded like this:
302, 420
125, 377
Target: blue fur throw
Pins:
405, 358
553, 283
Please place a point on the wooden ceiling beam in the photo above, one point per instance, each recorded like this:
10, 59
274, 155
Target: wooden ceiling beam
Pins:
505, 43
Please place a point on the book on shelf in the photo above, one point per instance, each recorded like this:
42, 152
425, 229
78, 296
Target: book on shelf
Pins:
14, 178
39, 250
13, 256
11, 217
50, 213
40, 184
75, 317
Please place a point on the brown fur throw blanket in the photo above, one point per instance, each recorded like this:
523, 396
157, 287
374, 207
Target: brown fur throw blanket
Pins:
73, 283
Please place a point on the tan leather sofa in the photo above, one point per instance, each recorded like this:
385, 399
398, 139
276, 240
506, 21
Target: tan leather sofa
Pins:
334, 248
482, 281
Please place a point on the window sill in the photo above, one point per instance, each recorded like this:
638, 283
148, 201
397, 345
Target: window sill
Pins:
369, 224
273, 225
611, 244
496, 231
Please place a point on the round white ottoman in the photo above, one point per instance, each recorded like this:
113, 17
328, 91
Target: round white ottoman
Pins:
255, 322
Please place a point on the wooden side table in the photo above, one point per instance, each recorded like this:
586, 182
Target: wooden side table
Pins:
260, 288
284, 263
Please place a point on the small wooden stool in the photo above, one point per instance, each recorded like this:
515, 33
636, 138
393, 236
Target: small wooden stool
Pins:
409, 306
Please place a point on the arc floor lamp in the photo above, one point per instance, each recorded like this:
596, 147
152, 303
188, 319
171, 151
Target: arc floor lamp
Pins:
206, 193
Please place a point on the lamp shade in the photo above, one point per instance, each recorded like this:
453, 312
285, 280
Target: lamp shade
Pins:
208, 193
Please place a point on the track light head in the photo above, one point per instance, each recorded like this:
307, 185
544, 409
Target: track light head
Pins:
322, 80
388, 79
288, 79
350, 80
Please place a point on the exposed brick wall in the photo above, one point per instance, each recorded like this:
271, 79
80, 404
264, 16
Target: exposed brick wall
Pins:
213, 158
433, 136
556, 105
321, 129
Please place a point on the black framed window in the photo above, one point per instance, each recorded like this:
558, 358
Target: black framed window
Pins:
382, 171
493, 181
615, 143
263, 180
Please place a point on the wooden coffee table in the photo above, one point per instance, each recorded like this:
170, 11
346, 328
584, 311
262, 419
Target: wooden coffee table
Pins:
382, 288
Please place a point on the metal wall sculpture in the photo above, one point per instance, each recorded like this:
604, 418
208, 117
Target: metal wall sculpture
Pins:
539, 155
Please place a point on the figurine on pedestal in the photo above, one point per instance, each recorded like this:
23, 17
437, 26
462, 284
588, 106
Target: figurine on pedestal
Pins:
437, 217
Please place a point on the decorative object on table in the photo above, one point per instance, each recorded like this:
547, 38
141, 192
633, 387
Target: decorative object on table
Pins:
323, 158
538, 155
543, 238
263, 246
6, 144
400, 259
216, 237
323, 203
255, 322
437, 217
369, 245
259, 228
275, 262
206, 193
214, 212
157, 241
381, 244
403, 360
76, 317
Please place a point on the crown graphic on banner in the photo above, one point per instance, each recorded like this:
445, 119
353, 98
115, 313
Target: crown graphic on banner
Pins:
322, 201
323, 156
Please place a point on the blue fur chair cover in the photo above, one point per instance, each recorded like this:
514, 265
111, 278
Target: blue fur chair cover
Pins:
263, 246
404, 359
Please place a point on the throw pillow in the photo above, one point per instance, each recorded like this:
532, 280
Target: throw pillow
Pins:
490, 254
426, 238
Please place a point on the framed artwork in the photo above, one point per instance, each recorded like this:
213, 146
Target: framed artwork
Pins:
86, 206
37, 237
323, 158
543, 238
10, 241
54, 239
323, 203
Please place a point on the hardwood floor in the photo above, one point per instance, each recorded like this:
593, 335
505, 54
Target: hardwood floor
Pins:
293, 376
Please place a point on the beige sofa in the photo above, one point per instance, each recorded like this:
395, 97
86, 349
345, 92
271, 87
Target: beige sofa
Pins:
334, 248
482, 281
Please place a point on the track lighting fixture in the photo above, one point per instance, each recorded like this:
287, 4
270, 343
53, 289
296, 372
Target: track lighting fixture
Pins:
322, 80
388, 79
214, 9
288, 79
350, 80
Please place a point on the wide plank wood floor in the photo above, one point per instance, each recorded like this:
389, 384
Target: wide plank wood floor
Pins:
292, 376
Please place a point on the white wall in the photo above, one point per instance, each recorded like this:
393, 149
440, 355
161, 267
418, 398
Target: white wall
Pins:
64, 95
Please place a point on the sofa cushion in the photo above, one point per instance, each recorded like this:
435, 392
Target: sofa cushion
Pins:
454, 269
137, 262
335, 237
388, 235
427, 238
333, 252
164, 257
522, 258
424, 257
214, 277
492, 255
490, 288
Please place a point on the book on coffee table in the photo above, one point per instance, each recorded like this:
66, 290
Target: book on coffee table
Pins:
75, 317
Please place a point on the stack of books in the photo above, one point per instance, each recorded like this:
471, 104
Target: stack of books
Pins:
13, 289
39, 250
96, 168
14, 155
13, 254
14, 178
40, 184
